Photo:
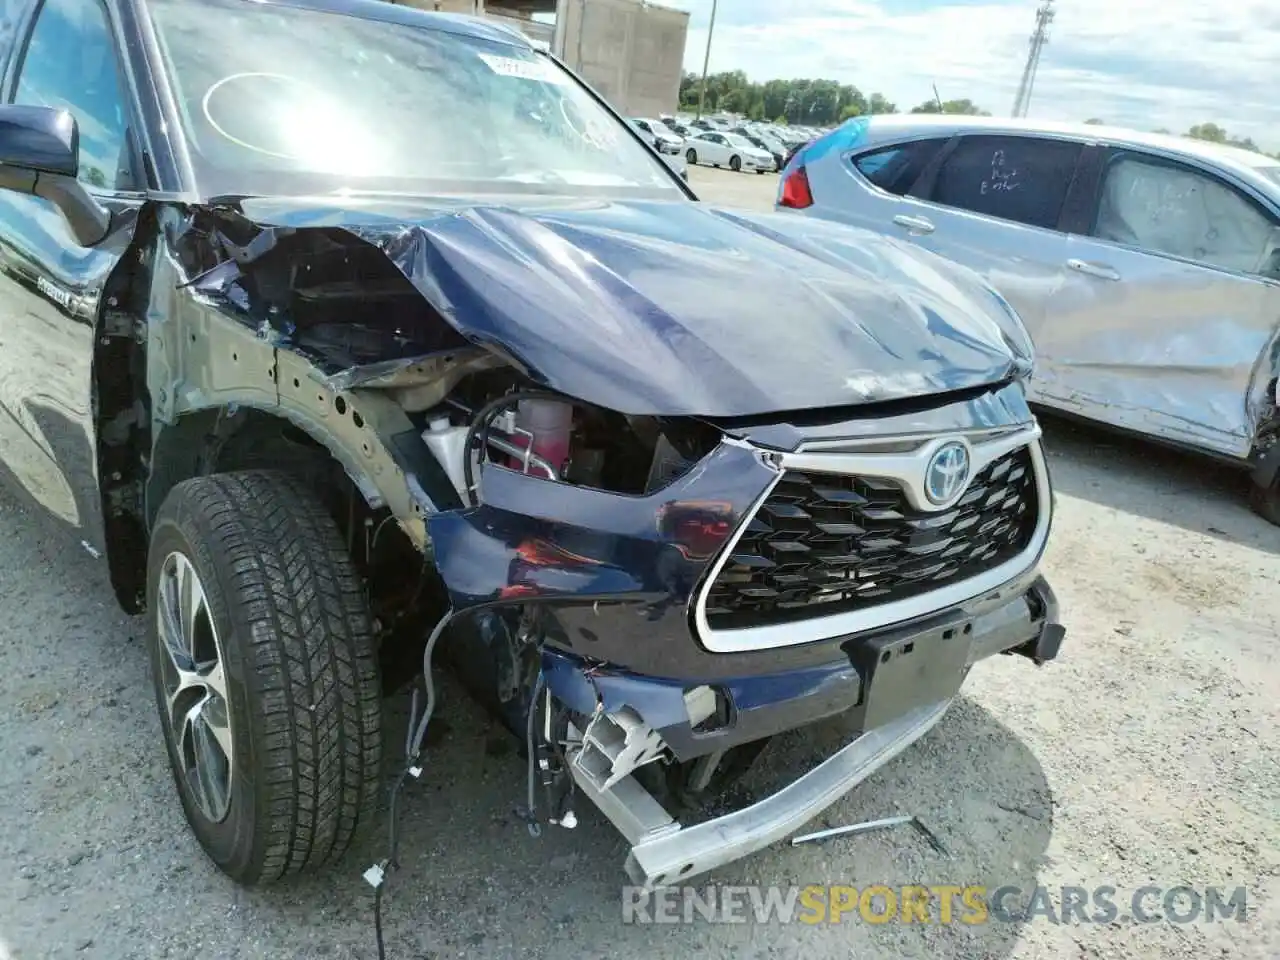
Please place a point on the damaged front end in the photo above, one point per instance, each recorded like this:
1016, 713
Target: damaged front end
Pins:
645, 569
676, 629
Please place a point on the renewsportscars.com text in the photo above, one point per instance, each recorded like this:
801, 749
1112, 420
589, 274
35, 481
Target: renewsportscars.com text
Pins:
936, 904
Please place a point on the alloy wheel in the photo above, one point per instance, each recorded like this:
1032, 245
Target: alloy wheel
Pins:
195, 687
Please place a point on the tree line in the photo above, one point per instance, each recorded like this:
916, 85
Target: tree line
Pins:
822, 103
811, 102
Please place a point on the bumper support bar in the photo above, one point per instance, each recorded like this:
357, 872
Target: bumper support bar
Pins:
663, 852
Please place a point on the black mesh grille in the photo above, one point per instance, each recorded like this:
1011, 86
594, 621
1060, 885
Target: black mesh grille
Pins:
824, 544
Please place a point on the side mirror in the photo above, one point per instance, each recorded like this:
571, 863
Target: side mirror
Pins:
40, 140
40, 157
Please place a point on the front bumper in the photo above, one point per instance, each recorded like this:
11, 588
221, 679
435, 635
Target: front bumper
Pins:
1020, 619
912, 702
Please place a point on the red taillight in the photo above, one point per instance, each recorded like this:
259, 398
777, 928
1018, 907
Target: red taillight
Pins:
795, 190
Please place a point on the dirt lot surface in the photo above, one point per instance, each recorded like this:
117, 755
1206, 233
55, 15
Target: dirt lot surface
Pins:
1145, 756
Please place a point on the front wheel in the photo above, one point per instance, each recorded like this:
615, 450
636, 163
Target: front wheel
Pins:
265, 673
735, 163
691, 157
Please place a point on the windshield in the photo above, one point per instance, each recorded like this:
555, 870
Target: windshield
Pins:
661, 129
284, 100
738, 140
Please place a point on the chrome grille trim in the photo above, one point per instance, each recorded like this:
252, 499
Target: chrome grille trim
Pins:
906, 468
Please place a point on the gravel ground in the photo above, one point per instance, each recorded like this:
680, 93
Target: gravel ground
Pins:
1143, 756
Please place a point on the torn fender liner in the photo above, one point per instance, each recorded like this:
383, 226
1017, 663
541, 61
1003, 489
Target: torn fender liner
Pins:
675, 308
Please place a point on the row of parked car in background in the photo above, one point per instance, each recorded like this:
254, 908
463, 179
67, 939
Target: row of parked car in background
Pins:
730, 142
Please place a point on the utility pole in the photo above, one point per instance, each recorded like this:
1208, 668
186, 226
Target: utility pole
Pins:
706, 60
1044, 17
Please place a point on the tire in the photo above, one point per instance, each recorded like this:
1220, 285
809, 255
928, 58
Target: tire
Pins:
735, 164
286, 618
1265, 501
691, 158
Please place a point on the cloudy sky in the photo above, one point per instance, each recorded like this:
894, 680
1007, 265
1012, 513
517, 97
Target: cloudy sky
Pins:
1144, 63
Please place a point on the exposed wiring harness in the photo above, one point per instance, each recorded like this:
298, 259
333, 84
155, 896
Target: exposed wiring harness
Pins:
541, 754
562, 814
531, 811
416, 732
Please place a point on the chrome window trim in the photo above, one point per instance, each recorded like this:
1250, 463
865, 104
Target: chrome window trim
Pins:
908, 469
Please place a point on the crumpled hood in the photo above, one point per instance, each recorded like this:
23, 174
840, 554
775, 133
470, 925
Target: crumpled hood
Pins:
678, 308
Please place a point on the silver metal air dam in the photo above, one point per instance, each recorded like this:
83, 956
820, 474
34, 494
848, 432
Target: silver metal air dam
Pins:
894, 458
663, 852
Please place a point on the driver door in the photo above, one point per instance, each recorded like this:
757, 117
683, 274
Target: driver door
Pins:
50, 286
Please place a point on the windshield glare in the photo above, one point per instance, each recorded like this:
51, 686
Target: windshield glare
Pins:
1272, 174
275, 99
